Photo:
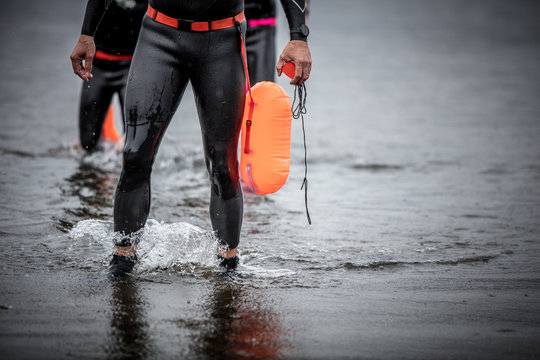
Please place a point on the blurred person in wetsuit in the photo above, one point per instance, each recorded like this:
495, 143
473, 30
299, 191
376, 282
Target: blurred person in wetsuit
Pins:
185, 41
261, 39
115, 43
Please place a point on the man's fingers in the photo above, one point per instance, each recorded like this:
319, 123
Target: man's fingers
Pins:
78, 68
279, 65
297, 76
75, 63
306, 70
84, 71
83, 52
301, 75
88, 65
296, 51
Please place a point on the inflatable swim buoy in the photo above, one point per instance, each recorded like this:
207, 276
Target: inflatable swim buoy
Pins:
266, 138
266, 134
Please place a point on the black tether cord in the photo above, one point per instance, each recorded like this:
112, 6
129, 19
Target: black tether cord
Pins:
298, 111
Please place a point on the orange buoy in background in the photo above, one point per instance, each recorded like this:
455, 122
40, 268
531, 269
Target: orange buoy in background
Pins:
266, 138
109, 131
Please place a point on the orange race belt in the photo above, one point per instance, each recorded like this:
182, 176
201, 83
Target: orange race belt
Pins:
188, 25
102, 55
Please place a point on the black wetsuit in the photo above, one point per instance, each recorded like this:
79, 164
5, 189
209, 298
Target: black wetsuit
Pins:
261, 40
165, 60
117, 35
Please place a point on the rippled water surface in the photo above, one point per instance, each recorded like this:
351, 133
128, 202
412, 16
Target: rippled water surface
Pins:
423, 131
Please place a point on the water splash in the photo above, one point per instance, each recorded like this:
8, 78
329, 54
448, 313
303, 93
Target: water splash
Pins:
91, 233
107, 158
180, 246
177, 246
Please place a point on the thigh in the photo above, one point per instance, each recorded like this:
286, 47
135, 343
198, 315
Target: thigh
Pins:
219, 85
95, 99
121, 91
120, 81
154, 88
96, 96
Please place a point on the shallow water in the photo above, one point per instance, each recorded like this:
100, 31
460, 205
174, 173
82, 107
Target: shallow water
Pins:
423, 166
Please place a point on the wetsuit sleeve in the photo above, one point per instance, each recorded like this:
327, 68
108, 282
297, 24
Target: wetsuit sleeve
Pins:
295, 12
95, 9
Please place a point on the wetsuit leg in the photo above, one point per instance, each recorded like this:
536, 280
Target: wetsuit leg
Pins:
96, 96
121, 91
122, 99
155, 86
218, 82
164, 59
261, 53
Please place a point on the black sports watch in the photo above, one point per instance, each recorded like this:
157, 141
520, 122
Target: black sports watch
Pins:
299, 32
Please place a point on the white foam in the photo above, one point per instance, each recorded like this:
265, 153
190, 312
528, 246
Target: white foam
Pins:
108, 158
164, 246
177, 247
161, 246
265, 273
93, 232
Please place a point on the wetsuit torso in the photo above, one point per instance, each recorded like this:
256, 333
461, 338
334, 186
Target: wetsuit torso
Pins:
197, 10
120, 26
165, 60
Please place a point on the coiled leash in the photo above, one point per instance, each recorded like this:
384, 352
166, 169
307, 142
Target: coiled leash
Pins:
298, 111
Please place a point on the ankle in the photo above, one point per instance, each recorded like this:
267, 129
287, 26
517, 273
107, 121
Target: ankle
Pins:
227, 254
125, 250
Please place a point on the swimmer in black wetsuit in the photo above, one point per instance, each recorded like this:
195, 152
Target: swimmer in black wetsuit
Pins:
170, 53
115, 42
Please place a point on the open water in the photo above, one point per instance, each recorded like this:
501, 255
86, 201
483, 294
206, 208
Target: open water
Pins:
423, 133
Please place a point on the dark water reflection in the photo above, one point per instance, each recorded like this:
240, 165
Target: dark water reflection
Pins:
240, 323
235, 322
94, 188
129, 337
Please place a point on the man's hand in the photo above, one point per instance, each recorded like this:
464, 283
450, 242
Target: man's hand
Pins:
85, 49
296, 51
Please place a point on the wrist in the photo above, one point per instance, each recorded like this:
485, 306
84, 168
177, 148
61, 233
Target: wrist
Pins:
300, 32
298, 37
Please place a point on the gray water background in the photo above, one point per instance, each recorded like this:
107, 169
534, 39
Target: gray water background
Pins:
423, 132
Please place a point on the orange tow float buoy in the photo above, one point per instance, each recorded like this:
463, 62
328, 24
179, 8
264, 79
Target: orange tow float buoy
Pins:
109, 131
266, 138
266, 135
